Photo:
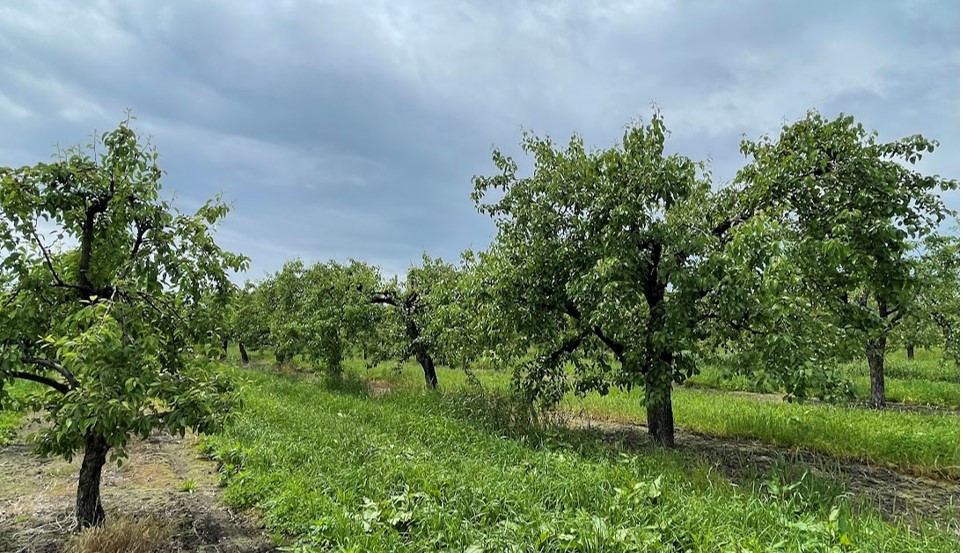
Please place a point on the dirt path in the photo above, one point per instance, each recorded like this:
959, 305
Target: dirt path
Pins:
37, 497
898, 496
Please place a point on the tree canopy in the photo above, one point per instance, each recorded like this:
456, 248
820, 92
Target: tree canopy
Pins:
108, 293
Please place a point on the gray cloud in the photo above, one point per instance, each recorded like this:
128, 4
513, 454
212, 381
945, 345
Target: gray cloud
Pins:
346, 131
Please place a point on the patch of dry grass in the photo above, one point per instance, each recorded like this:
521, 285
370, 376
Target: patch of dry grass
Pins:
123, 535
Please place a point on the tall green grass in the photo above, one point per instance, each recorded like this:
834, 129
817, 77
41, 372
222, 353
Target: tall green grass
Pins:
927, 443
335, 470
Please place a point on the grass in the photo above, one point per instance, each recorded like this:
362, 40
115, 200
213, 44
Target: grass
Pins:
123, 535
926, 380
336, 470
12, 413
927, 443
188, 486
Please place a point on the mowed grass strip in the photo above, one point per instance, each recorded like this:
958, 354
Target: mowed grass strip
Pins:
909, 391
929, 379
334, 469
924, 443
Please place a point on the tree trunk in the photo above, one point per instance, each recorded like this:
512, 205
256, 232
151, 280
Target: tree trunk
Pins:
421, 352
90, 512
224, 346
875, 349
428, 364
658, 408
244, 358
910, 352
279, 357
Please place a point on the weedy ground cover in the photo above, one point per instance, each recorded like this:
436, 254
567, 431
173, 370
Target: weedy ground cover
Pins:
335, 468
922, 442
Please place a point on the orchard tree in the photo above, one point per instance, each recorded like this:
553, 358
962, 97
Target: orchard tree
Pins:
100, 282
417, 301
465, 324
620, 262
247, 319
319, 312
279, 299
855, 206
934, 314
335, 314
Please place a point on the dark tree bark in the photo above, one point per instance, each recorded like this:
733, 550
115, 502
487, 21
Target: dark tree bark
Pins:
875, 350
428, 365
910, 352
421, 353
224, 349
658, 403
658, 373
408, 308
661, 422
90, 511
280, 357
244, 357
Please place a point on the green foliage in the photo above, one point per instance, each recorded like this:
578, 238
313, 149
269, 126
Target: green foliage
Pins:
854, 206
110, 296
329, 311
409, 471
933, 316
318, 312
248, 315
14, 406
625, 263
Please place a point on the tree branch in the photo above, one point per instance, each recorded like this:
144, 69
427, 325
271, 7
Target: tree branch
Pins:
567, 346
49, 262
385, 298
720, 230
48, 364
617, 348
87, 240
60, 387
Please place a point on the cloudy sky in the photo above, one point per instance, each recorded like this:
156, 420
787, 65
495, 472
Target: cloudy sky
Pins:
353, 129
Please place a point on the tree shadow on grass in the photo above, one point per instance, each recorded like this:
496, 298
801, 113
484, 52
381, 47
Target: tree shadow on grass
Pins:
813, 480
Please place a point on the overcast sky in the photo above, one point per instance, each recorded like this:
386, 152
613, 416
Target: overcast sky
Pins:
353, 129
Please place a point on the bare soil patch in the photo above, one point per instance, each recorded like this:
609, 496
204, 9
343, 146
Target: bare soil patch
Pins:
37, 499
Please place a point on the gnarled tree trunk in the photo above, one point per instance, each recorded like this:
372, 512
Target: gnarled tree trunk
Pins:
910, 352
90, 511
421, 353
875, 350
244, 357
428, 364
